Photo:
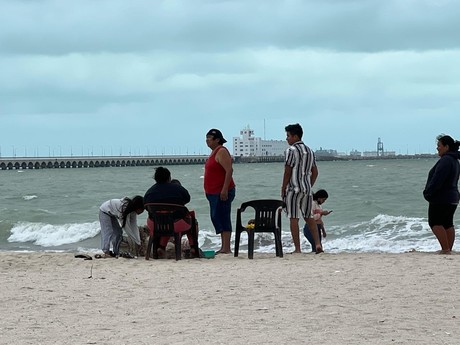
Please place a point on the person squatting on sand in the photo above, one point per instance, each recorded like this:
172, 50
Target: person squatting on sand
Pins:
219, 187
318, 200
165, 191
300, 174
441, 191
116, 215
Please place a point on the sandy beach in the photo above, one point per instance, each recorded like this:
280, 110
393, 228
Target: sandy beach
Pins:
54, 298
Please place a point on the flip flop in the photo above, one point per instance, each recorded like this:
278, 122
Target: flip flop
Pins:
83, 256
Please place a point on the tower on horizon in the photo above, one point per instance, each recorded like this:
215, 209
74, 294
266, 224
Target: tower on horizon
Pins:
380, 151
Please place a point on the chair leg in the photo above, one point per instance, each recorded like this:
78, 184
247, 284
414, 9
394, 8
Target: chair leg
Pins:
237, 242
178, 246
278, 244
250, 244
195, 240
156, 245
149, 248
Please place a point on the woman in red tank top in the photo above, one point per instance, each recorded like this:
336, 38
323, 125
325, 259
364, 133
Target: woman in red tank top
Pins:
219, 187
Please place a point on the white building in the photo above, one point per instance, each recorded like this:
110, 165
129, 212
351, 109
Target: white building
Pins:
247, 145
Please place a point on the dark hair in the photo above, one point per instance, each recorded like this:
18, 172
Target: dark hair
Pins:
447, 140
321, 193
294, 129
131, 205
162, 175
176, 181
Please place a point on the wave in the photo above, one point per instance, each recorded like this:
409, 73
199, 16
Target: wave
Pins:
29, 197
383, 233
47, 235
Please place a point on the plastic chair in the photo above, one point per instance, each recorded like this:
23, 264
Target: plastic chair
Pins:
267, 219
164, 216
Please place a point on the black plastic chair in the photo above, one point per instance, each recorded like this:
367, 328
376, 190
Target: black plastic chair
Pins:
164, 216
267, 219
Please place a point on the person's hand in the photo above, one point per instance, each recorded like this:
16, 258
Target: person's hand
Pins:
324, 233
224, 195
325, 213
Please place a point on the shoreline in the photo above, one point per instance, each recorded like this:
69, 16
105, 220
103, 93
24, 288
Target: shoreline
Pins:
346, 298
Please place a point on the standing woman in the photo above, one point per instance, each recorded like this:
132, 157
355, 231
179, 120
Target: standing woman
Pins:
441, 191
116, 215
219, 187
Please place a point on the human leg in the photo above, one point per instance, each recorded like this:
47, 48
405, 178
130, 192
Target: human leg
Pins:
294, 225
315, 234
309, 237
449, 225
106, 231
441, 221
117, 236
441, 235
450, 237
220, 211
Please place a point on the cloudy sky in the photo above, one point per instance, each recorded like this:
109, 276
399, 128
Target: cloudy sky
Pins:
152, 77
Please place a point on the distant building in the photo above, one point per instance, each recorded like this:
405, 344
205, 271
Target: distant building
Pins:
379, 154
355, 153
370, 154
249, 146
325, 153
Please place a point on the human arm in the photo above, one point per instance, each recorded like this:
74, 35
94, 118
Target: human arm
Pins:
131, 228
323, 229
314, 174
185, 195
225, 160
286, 177
436, 177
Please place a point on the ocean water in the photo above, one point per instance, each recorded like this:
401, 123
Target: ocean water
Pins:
377, 205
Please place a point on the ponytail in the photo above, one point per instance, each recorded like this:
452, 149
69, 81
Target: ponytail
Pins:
130, 205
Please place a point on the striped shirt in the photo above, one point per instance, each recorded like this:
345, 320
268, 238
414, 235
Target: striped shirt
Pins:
301, 159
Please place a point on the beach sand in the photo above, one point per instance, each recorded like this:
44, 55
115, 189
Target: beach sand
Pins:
54, 298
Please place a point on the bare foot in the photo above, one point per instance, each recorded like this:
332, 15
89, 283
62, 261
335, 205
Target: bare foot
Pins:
221, 251
319, 249
296, 252
444, 252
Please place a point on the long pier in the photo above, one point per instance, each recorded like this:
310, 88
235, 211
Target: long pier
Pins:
74, 162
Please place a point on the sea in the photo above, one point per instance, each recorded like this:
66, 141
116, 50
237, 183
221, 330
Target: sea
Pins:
377, 205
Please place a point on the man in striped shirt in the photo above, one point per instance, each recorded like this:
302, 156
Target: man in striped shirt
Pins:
300, 173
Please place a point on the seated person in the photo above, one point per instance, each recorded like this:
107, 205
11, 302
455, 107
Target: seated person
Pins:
165, 191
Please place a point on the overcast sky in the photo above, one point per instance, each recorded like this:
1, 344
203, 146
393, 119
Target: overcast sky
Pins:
152, 77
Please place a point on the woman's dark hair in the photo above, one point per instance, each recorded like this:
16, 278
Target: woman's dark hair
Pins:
131, 205
321, 193
294, 129
162, 175
448, 140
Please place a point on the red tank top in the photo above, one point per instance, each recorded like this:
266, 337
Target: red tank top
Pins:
214, 175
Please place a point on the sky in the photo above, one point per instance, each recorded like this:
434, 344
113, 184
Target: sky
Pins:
113, 77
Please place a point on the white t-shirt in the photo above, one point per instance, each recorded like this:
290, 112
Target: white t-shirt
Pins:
113, 208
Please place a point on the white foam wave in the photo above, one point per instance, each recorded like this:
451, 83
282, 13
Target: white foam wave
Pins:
383, 233
29, 197
48, 235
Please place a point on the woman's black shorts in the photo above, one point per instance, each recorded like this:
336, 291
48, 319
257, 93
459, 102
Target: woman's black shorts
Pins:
441, 214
